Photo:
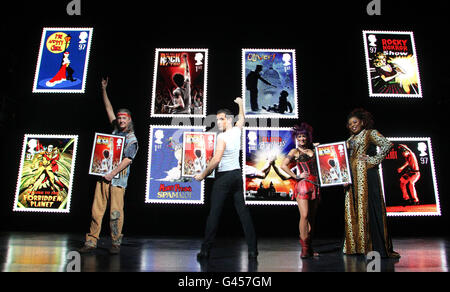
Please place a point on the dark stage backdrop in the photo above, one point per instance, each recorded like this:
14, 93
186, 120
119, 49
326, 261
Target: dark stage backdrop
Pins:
332, 81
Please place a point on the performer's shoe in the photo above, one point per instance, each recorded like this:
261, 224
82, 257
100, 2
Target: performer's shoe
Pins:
87, 249
203, 254
304, 253
115, 249
307, 250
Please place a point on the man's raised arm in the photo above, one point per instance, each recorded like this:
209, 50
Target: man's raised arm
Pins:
108, 105
241, 118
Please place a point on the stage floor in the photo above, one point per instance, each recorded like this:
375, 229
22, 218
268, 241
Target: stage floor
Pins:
44, 252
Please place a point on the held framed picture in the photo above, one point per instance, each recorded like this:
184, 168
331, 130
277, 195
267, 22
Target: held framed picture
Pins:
106, 154
46, 171
333, 164
63, 60
198, 150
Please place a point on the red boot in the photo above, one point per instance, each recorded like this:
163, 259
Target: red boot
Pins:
305, 249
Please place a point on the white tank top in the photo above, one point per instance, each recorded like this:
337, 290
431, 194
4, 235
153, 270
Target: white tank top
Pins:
230, 158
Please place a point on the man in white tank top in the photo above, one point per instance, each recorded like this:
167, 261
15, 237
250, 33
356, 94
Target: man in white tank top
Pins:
228, 181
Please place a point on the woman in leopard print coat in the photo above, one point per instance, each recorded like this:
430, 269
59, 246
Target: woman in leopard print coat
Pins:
365, 211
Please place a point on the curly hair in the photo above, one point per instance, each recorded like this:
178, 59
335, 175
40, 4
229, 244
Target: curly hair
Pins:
363, 115
305, 129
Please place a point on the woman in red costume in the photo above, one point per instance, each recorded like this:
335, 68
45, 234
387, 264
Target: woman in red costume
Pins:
306, 190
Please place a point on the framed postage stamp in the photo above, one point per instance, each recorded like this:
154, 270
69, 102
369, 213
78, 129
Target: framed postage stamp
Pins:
391, 63
408, 178
269, 83
63, 60
165, 180
333, 164
198, 150
47, 165
180, 83
265, 183
107, 152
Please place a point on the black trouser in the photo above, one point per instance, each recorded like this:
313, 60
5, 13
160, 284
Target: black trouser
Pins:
254, 99
225, 183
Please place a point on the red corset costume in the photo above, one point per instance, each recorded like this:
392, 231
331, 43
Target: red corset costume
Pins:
307, 189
